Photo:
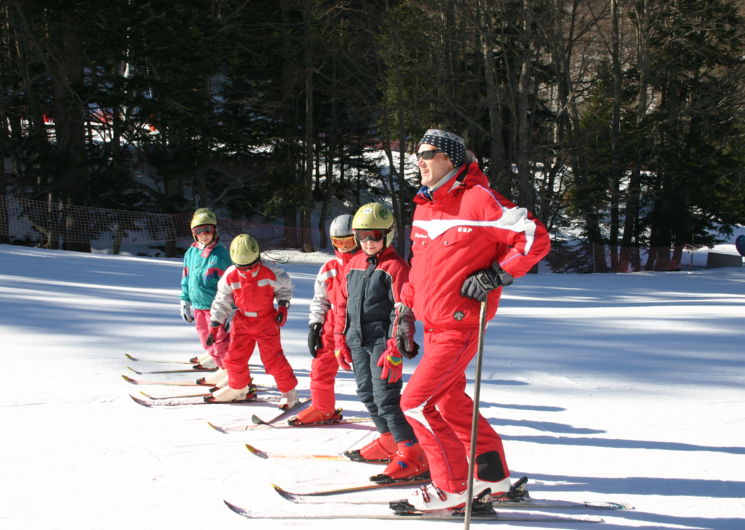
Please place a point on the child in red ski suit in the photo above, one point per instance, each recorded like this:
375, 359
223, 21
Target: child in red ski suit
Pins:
321, 326
252, 287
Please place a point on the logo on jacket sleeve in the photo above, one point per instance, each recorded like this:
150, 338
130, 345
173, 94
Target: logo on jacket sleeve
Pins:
459, 315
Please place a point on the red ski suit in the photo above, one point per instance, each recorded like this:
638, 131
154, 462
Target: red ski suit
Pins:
252, 292
324, 367
462, 227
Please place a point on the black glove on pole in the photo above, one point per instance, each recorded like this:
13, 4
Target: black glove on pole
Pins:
478, 284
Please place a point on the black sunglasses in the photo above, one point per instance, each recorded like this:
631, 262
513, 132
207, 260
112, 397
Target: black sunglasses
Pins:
428, 155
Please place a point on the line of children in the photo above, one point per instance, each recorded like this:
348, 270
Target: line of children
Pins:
321, 326
205, 261
252, 287
352, 323
365, 339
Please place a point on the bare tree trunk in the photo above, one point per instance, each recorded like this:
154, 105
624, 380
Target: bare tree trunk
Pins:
309, 143
499, 177
615, 137
632, 259
527, 196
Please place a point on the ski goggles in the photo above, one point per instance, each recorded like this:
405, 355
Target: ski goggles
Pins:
428, 155
344, 244
370, 235
203, 229
248, 266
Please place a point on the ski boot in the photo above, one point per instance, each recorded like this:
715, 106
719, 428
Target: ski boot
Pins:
289, 400
381, 449
214, 378
314, 416
409, 463
232, 395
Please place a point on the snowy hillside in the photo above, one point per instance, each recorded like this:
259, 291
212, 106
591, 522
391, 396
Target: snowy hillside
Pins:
627, 388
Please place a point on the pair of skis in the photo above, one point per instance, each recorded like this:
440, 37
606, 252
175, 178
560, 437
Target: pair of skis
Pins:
483, 508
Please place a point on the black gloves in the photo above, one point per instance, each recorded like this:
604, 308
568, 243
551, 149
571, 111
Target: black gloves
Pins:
403, 331
478, 284
314, 338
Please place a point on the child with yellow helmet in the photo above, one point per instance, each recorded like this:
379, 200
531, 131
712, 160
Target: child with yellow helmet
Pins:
205, 261
365, 338
252, 288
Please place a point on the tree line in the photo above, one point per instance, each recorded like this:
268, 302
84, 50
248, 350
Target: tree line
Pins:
619, 120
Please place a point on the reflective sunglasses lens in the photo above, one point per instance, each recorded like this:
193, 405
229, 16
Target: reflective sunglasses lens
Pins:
427, 155
369, 235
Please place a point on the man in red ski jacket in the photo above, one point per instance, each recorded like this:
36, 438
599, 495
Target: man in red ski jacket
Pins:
467, 242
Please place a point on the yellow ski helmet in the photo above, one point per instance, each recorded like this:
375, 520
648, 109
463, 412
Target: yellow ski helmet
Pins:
244, 250
203, 216
375, 216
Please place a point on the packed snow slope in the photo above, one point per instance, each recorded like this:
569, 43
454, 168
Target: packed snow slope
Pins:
627, 388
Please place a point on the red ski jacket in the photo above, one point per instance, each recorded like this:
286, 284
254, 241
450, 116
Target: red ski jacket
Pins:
465, 226
327, 284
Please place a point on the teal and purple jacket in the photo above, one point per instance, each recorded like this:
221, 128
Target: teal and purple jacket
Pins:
203, 268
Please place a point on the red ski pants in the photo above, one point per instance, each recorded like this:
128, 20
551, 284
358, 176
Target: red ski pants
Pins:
323, 369
245, 334
437, 407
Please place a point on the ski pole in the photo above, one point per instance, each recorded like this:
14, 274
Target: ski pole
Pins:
475, 415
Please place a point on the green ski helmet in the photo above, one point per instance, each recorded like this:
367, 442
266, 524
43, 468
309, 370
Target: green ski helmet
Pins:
244, 250
375, 216
203, 216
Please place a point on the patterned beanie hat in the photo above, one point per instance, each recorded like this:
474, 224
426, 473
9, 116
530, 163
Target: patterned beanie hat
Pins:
453, 145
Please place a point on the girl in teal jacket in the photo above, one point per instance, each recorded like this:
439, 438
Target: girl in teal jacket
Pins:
204, 264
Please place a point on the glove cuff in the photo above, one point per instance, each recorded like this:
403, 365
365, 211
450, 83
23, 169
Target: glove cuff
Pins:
505, 278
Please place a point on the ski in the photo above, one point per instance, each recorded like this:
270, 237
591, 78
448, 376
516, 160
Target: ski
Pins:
160, 361
177, 402
301, 404
428, 516
178, 396
350, 489
262, 454
179, 371
165, 383
517, 498
528, 504
243, 427
194, 361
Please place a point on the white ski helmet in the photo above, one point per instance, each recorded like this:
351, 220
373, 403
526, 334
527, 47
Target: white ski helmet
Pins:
341, 226
342, 235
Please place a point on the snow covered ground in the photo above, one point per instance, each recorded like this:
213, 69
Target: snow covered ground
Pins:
626, 388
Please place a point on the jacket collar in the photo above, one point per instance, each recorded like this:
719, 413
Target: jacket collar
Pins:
206, 251
466, 176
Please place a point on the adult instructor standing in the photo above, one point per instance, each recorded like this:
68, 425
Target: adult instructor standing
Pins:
468, 241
